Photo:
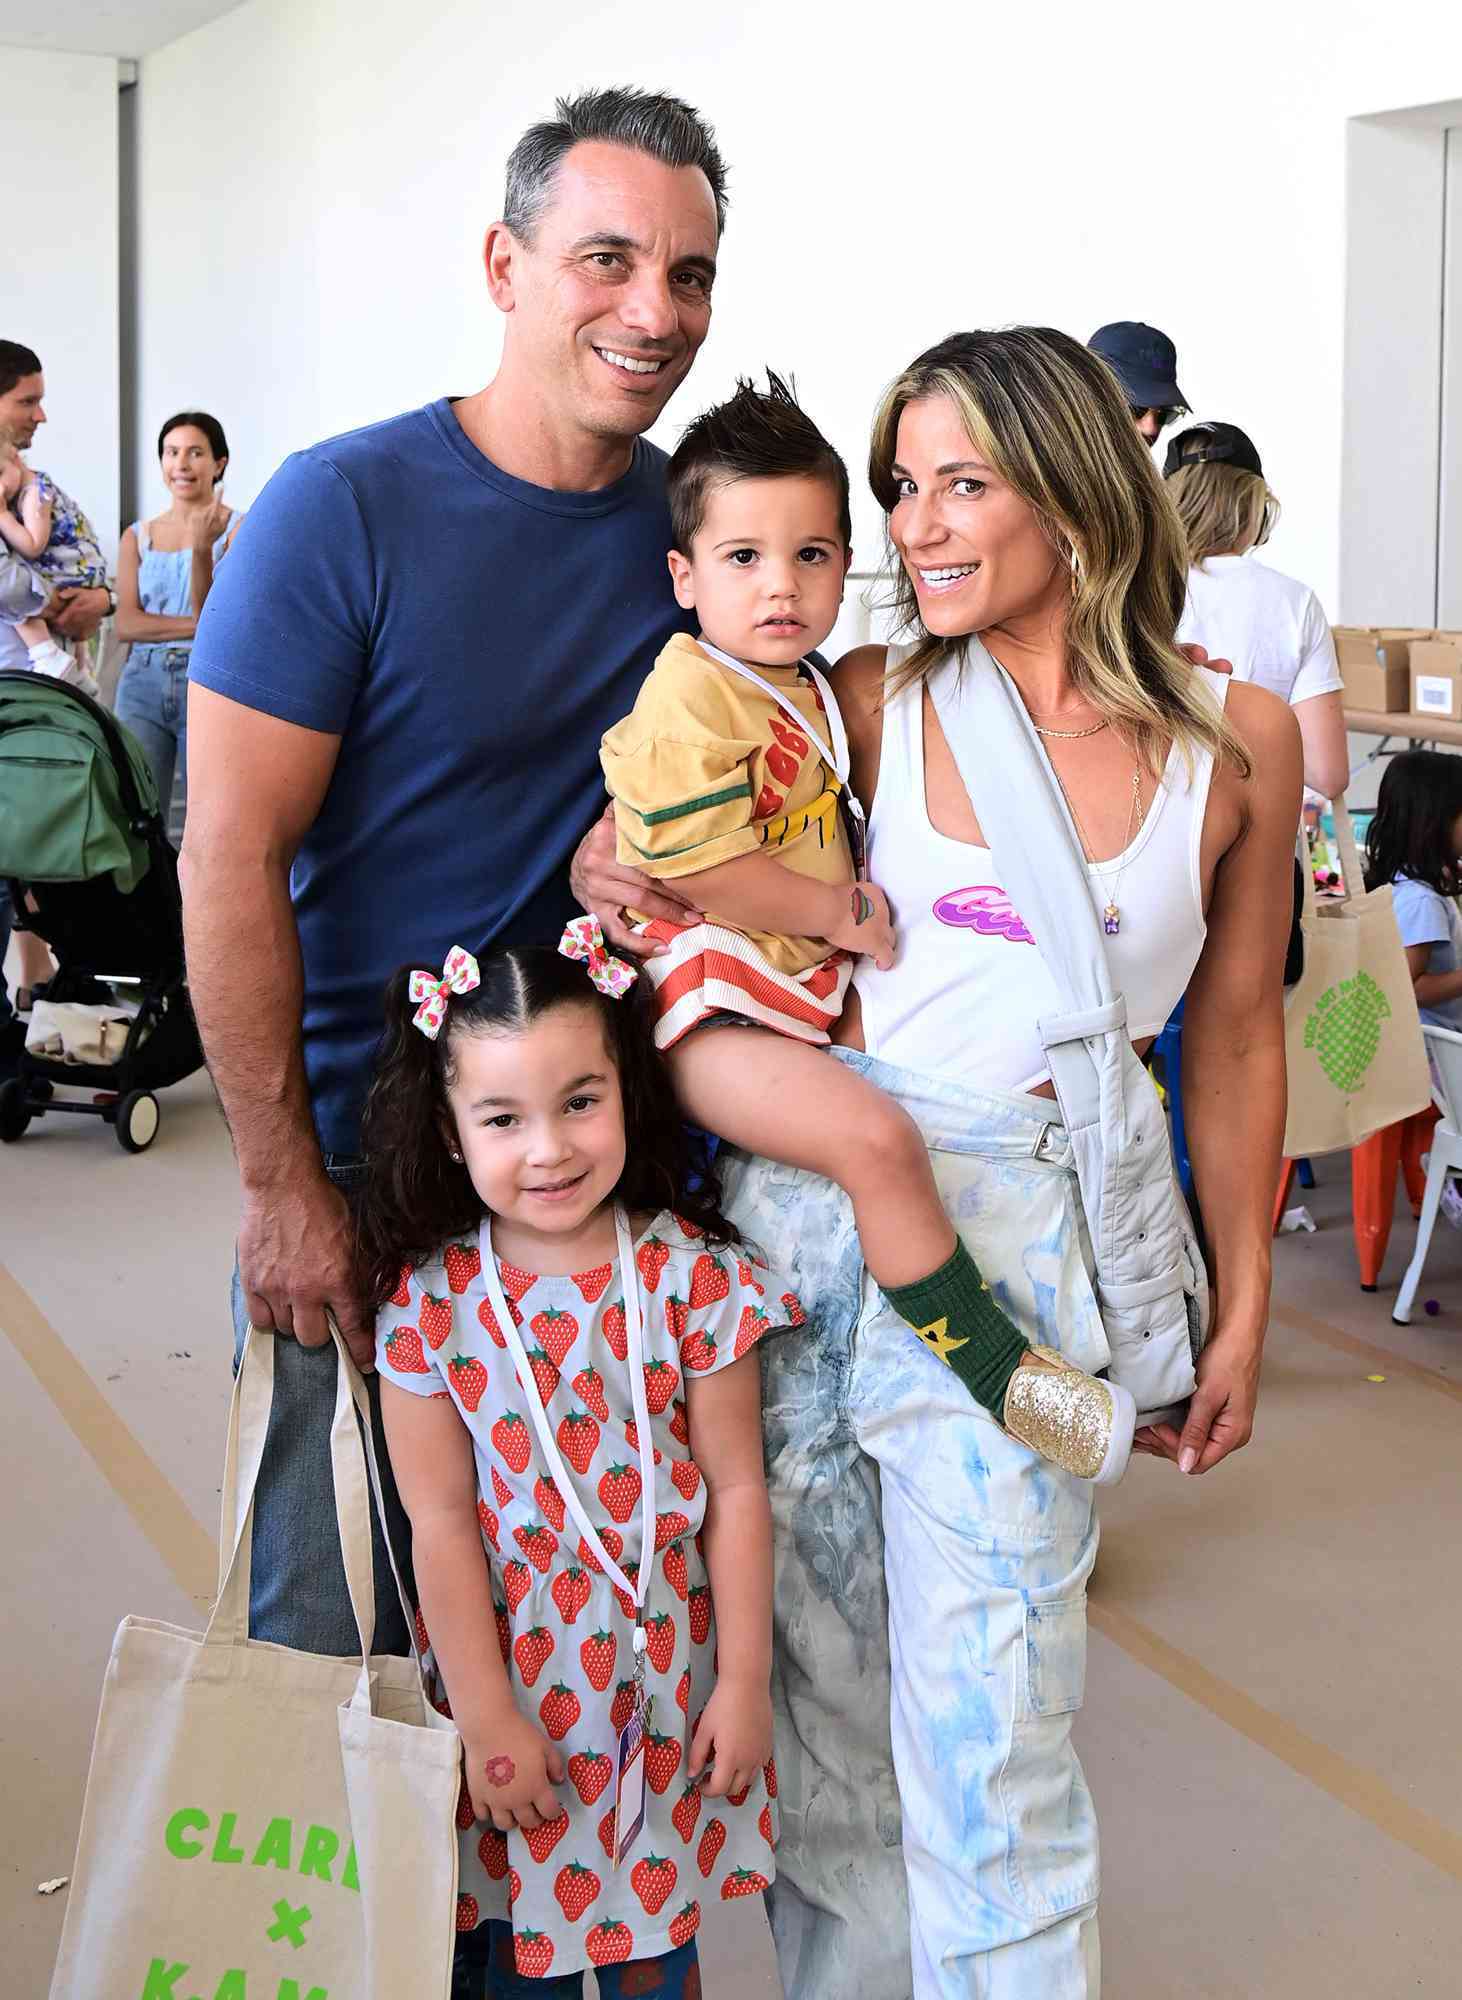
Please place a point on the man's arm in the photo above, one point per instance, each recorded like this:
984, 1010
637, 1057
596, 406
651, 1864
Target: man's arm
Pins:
76, 614
255, 786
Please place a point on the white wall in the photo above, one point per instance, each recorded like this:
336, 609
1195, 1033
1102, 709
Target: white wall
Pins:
58, 273
316, 176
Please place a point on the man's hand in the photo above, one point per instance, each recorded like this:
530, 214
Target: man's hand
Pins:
1198, 656
1220, 1416
605, 888
76, 614
296, 1261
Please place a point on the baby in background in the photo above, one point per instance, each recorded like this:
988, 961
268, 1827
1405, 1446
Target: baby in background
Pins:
730, 777
26, 522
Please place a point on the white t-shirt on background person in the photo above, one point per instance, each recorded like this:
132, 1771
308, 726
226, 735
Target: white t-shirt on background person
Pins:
1271, 626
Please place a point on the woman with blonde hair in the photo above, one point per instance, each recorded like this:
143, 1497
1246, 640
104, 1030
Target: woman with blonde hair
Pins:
1273, 626
1072, 826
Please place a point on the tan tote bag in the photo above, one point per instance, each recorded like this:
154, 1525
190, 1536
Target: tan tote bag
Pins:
262, 1824
1352, 1039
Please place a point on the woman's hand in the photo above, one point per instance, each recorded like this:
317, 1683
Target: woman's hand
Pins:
606, 889
867, 926
1220, 1416
734, 1737
512, 1769
209, 525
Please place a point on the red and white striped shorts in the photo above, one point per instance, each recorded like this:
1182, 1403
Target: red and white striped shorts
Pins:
710, 970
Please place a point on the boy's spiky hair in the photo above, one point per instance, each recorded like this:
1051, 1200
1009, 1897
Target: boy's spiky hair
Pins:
755, 434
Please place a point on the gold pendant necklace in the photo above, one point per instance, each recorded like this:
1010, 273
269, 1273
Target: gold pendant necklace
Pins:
1112, 914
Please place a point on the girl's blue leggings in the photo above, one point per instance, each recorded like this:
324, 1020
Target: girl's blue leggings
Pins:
484, 1969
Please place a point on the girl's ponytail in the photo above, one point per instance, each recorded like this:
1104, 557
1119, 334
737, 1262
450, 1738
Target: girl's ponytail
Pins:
416, 1197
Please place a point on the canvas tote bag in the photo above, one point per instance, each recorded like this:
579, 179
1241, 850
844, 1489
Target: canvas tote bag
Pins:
262, 1824
1352, 1040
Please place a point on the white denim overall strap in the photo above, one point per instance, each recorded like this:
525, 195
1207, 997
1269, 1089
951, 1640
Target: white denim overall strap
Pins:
1147, 1269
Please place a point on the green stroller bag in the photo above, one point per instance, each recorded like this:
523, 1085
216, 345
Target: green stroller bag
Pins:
63, 815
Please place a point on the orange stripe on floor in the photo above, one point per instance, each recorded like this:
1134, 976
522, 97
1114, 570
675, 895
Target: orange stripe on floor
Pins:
1384, 1359
149, 1496
1343, 1781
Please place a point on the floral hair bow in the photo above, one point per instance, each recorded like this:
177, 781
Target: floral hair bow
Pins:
459, 975
584, 939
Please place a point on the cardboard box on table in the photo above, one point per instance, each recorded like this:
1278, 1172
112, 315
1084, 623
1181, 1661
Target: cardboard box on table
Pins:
1436, 676
1375, 665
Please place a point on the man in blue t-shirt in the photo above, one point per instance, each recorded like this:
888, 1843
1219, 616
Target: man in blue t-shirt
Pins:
397, 694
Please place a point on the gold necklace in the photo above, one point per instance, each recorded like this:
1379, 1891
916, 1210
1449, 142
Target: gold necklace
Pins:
1112, 914
1072, 735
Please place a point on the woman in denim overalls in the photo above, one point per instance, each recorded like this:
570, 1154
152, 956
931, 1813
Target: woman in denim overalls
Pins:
164, 572
938, 1838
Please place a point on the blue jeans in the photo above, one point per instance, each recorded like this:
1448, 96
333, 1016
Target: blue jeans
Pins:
152, 700
484, 1969
298, 1596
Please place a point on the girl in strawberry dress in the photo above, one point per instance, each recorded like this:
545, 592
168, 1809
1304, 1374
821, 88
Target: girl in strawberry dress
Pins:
565, 1336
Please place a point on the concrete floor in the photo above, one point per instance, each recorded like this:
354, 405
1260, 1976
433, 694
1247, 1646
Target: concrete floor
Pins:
1270, 1726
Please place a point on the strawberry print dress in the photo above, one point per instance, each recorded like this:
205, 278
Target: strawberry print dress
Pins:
566, 1631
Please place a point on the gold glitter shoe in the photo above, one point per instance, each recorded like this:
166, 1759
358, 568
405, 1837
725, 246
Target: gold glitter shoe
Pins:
1082, 1425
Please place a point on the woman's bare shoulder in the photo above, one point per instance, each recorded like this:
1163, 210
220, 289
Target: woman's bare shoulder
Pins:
1264, 723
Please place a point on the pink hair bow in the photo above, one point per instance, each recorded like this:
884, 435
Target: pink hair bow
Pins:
584, 939
459, 975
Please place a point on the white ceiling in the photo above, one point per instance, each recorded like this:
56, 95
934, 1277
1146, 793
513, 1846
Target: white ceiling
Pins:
106, 27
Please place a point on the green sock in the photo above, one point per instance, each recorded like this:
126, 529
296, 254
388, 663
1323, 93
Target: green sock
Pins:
954, 1313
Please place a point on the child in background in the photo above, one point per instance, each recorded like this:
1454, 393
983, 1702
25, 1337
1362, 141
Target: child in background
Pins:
1414, 842
25, 523
730, 778
573, 1407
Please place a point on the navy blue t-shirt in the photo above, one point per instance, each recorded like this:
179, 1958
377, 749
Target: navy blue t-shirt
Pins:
469, 638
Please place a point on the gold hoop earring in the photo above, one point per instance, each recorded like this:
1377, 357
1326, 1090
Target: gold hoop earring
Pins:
1073, 558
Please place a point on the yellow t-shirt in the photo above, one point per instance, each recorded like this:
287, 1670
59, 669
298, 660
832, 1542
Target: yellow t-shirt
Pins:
707, 767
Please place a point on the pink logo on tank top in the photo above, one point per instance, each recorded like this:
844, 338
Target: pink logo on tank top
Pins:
985, 910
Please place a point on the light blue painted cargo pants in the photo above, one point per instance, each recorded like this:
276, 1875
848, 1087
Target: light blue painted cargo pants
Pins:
938, 1837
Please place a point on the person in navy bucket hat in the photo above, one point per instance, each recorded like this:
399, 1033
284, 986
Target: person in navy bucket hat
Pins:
1145, 362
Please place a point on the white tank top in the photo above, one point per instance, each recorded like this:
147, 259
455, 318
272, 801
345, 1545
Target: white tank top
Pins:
968, 985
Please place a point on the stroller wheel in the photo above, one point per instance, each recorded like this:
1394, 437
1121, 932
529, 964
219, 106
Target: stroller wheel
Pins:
137, 1121
14, 1111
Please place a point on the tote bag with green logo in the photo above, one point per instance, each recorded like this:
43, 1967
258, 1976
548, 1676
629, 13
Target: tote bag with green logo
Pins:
263, 1824
1352, 1039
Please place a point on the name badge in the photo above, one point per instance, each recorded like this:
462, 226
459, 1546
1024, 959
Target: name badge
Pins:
629, 1790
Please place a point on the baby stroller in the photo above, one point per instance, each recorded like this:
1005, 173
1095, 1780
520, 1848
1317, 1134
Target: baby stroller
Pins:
81, 831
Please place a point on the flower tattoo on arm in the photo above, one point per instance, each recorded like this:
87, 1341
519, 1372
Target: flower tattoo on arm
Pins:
500, 1770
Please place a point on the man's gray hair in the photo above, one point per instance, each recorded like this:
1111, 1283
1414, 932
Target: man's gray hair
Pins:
647, 121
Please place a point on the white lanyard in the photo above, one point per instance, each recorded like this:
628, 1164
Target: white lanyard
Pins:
836, 758
635, 1343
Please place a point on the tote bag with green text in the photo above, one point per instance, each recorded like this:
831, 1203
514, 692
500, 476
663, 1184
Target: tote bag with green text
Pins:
263, 1824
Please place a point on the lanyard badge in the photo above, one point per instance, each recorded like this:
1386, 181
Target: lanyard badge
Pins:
630, 1762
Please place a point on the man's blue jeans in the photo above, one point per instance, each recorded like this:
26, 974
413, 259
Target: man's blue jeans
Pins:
298, 1596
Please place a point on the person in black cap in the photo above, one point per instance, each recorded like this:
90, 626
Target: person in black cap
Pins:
1272, 626
1145, 362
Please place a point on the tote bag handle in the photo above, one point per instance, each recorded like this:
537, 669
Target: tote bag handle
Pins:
352, 1462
